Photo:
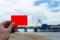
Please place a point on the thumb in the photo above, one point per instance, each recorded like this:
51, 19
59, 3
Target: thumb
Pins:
11, 27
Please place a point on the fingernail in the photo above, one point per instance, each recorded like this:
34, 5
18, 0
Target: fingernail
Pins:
13, 23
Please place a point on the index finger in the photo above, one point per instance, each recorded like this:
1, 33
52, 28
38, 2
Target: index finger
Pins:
6, 23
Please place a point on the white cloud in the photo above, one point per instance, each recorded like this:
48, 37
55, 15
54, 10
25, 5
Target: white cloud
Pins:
12, 7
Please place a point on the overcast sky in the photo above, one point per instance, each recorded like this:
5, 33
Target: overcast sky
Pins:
48, 11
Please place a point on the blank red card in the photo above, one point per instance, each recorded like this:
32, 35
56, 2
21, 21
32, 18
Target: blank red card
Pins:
19, 20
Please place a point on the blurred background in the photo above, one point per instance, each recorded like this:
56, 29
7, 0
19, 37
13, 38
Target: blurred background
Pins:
43, 18
41, 13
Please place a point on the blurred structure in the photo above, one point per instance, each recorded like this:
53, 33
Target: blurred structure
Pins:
44, 28
40, 27
39, 23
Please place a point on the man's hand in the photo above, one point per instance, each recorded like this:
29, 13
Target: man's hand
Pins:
5, 30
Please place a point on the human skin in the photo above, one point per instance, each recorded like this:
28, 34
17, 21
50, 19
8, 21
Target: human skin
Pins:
6, 29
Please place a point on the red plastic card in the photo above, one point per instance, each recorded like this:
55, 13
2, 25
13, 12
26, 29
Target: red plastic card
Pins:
19, 20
